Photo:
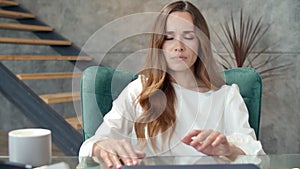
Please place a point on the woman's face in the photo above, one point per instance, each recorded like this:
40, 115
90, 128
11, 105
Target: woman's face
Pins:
180, 46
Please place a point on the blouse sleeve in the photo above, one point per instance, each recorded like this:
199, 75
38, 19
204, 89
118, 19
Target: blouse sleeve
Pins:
118, 123
238, 130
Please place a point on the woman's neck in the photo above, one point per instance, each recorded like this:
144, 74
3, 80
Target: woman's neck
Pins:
188, 80
185, 79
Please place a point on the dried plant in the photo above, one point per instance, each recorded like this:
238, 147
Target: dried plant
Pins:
241, 41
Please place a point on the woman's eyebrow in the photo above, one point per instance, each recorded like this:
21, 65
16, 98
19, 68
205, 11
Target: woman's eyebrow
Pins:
169, 32
184, 32
187, 32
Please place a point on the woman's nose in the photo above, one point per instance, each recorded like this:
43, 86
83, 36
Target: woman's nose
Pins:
179, 46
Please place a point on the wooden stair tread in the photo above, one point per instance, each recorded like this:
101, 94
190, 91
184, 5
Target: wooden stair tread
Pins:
27, 27
36, 76
35, 41
60, 97
75, 122
40, 57
8, 3
15, 15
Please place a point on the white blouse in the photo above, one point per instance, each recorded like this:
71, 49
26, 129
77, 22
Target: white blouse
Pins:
222, 110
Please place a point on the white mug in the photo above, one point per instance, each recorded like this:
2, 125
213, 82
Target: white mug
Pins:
30, 146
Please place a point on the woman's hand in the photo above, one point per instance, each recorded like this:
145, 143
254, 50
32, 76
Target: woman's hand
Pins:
212, 143
111, 151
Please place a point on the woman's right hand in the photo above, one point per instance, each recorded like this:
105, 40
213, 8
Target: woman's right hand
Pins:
111, 151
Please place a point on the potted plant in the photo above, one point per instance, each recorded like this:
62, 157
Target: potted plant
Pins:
241, 40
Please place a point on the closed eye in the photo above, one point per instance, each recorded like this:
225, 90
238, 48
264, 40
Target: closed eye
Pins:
169, 38
189, 38
188, 35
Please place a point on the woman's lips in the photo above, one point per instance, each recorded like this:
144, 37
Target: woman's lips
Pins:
181, 57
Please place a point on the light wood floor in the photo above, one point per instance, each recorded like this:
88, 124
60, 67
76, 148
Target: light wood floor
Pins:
4, 145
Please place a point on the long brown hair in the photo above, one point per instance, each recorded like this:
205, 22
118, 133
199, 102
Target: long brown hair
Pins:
158, 97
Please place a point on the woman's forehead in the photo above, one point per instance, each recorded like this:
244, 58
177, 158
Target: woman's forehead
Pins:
177, 21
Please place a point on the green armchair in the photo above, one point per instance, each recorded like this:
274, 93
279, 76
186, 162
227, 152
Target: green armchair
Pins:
101, 85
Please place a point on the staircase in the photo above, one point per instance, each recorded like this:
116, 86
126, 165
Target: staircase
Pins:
37, 107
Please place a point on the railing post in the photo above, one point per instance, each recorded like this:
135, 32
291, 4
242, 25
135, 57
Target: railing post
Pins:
64, 136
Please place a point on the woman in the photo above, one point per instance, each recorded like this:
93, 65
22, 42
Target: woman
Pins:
179, 105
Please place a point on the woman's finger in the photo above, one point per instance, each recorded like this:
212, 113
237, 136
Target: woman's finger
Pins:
134, 155
104, 155
127, 154
200, 138
115, 160
189, 137
221, 139
208, 140
140, 154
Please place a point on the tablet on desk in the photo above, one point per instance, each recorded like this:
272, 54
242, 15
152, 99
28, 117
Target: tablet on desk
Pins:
12, 165
198, 166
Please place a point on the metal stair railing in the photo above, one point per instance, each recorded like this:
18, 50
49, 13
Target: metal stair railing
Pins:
65, 137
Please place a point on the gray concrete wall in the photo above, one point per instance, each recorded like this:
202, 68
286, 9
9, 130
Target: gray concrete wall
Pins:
79, 21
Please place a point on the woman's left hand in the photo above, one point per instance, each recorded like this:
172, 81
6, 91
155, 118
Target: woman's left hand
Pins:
211, 143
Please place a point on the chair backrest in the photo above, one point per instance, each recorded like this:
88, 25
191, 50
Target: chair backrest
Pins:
250, 84
101, 85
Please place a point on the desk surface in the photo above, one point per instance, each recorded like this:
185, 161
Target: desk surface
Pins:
264, 162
